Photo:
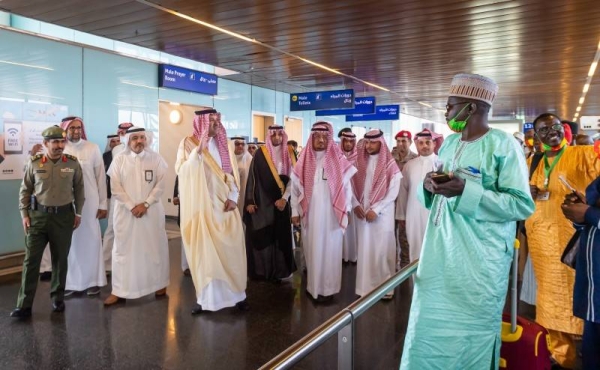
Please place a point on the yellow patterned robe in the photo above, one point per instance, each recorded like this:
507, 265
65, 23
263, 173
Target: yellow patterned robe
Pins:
548, 232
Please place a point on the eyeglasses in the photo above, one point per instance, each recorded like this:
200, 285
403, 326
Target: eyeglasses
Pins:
239, 143
449, 106
543, 131
75, 128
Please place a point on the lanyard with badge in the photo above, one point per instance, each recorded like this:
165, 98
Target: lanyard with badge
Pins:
545, 194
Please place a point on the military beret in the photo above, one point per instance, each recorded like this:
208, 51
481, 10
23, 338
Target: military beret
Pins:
405, 134
54, 132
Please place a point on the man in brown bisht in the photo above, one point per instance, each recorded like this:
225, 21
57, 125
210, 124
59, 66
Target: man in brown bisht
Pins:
267, 211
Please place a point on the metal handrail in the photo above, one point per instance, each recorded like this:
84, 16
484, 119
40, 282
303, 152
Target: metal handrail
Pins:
341, 321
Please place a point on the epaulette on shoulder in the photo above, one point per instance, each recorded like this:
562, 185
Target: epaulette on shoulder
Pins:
72, 157
36, 157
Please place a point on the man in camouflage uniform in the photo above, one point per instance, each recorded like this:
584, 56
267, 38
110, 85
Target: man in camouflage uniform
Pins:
51, 187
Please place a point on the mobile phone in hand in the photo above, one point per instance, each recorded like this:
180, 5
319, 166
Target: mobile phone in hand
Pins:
573, 191
440, 178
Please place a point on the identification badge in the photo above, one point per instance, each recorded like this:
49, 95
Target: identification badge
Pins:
149, 175
543, 195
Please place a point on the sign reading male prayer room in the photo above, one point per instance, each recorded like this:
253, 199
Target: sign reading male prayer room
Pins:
322, 100
364, 105
187, 79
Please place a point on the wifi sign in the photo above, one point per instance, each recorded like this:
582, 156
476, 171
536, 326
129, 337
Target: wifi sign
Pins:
12, 138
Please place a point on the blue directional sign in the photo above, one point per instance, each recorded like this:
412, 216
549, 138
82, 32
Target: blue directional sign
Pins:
382, 113
364, 105
181, 78
339, 99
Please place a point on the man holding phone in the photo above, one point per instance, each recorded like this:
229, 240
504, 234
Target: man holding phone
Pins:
475, 199
584, 212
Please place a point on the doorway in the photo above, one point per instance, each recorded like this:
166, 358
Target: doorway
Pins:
174, 124
260, 125
293, 128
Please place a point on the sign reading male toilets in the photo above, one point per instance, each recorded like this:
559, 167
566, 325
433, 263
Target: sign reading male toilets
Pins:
318, 100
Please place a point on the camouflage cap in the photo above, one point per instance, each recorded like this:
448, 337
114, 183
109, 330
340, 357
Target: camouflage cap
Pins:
54, 132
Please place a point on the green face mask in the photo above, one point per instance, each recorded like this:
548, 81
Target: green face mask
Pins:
459, 126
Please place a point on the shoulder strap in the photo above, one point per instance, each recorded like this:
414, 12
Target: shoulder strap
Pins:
535, 161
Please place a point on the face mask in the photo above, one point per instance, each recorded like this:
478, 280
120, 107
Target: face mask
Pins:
555, 148
459, 126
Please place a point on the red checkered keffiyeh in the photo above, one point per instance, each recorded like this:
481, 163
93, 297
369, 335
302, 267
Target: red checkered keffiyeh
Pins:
335, 166
201, 125
385, 169
286, 161
66, 122
352, 155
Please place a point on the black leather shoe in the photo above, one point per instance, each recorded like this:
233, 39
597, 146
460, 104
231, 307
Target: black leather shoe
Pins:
197, 310
46, 276
243, 305
323, 299
21, 313
187, 272
58, 306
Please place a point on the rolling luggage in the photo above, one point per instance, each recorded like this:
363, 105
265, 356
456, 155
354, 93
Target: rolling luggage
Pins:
524, 343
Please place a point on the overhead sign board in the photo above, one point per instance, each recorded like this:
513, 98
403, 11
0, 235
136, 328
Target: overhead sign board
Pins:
590, 122
382, 113
364, 105
318, 100
180, 78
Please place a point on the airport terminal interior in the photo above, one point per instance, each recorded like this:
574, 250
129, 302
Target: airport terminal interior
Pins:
383, 71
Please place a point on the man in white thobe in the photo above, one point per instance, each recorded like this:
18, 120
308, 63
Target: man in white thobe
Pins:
116, 147
86, 262
140, 260
375, 188
321, 199
348, 146
243, 159
411, 213
211, 226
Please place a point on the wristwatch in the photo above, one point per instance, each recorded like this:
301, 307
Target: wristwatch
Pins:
146, 204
